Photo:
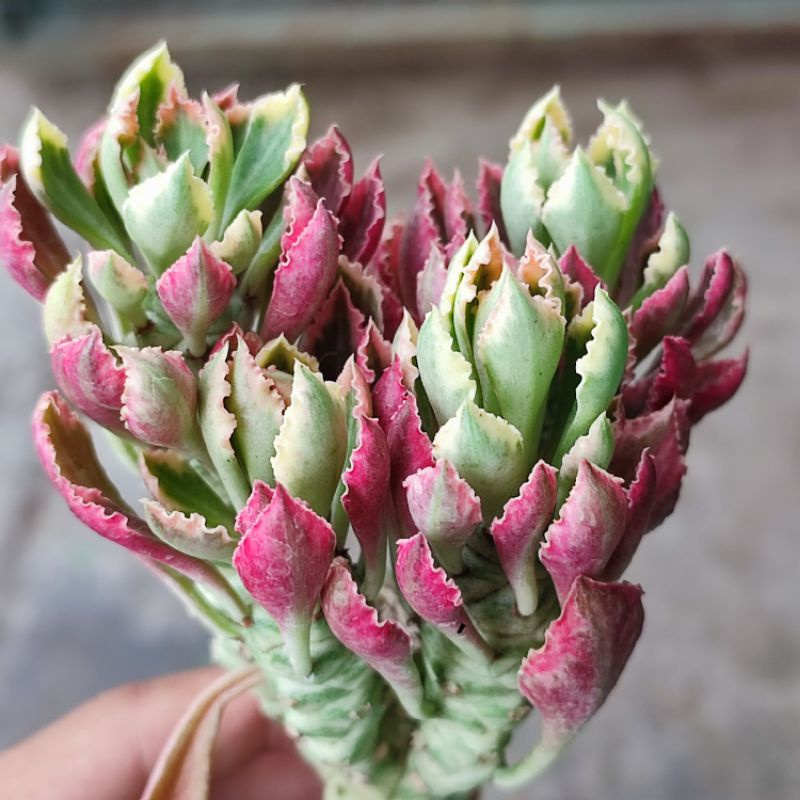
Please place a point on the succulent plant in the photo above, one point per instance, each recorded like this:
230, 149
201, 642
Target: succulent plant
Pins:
400, 480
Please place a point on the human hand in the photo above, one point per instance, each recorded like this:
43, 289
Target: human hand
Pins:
106, 748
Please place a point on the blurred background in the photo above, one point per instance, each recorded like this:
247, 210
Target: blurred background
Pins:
709, 707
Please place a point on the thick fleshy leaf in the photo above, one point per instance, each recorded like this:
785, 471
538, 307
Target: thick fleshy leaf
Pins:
165, 213
68, 456
671, 254
487, 452
666, 433
386, 267
189, 534
362, 220
445, 509
518, 343
600, 371
660, 314
517, 534
640, 498
159, 401
619, 148
716, 310
431, 281
421, 233
585, 209
366, 482
676, 375
410, 449
334, 333
120, 284
258, 408
328, 162
435, 597
178, 486
311, 446
384, 645
31, 250
67, 310
576, 269
585, 651
259, 499
404, 348
445, 373
183, 768
307, 269
240, 241
218, 425
88, 374
269, 147
180, 128
219, 141
537, 158
490, 176
283, 560
596, 446
364, 288
589, 528
48, 171
195, 291
716, 383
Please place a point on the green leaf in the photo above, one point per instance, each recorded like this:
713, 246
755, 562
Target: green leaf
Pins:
597, 446
487, 452
65, 312
178, 485
165, 213
272, 143
265, 259
619, 147
151, 75
521, 199
600, 371
220, 156
218, 426
258, 409
518, 342
311, 446
585, 209
240, 242
48, 170
445, 373
673, 252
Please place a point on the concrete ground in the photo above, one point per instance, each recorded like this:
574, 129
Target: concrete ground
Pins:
709, 707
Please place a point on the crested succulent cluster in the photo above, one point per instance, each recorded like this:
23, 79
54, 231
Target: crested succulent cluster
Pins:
399, 476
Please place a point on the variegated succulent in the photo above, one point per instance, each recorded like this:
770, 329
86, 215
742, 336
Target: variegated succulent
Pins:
399, 480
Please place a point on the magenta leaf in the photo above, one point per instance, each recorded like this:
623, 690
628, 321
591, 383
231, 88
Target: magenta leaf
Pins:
718, 283
361, 223
31, 249
445, 509
490, 176
435, 597
282, 559
660, 314
584, 653
666, 433
366, 482
589, 528
195, 291
518, 533
329, 165
640, 499
307, 268
88, 374
410, 449
577, 270
716, 382
385, 645
68, 456
159, 402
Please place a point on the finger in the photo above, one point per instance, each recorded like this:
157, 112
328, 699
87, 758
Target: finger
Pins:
277, 775
109, 745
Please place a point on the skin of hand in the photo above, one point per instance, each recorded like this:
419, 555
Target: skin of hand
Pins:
105, 749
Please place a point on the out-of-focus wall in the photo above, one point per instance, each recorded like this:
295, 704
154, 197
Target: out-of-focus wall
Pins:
709, 708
